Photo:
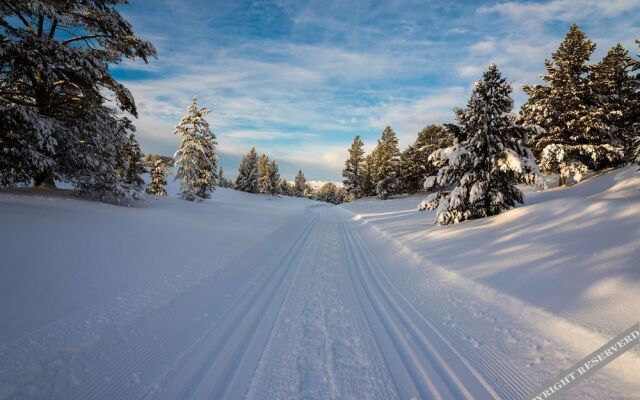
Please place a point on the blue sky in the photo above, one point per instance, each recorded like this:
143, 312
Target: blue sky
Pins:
298, 79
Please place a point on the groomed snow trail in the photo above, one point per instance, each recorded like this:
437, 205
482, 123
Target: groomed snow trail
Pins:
305, 313
322, 322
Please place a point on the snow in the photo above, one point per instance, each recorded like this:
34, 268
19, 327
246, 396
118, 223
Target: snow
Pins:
264, 297
552, 280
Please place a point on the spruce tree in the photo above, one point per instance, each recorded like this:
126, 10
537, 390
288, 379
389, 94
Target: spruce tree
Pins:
571, 142
485, 168
367, 177
273, 178
616, 92
131, 163
196, 158
387, 159
54, 77
285, 188
352, 170
247, 179
263, 173
158, 166
300, 185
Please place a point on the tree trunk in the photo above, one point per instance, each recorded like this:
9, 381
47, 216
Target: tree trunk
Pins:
44, 179
561, 180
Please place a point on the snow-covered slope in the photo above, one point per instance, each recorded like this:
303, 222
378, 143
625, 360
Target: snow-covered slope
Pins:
251, 296
562, 271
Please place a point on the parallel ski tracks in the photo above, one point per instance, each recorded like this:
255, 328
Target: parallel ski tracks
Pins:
422, 362
216, 369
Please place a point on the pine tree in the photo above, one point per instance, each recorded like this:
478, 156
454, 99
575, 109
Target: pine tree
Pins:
263, 173
300, 185
247, 179
330, 193
367, 174
485, 168
616, 93
387, 159
352, 170
158, 166
570, 143
131, 164
54, 77
196, 158
285, 188
273, 178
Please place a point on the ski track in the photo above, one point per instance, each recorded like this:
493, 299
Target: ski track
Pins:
318, 319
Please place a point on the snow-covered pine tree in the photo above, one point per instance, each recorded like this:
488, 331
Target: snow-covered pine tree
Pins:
131, 164
158, 166
387, 164
53, 80
352, 169
247, 179
484, 169
299, 184
571, 142
273, 178
616, 92
222, 181
196, 159
367, 176
414, 160
285, 188
263, 173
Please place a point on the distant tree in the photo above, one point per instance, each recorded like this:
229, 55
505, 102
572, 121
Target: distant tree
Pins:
485, 168
247, 180
263, 173
196, 158
352, 171
285, 188
223, 181
330, 193
158, 166
54, 77
273, 178
387, 160
300, 185
572, 141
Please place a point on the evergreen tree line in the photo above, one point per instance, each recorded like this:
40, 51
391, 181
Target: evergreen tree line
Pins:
583, 117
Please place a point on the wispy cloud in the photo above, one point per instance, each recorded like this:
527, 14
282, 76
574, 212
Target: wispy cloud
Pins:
298, 79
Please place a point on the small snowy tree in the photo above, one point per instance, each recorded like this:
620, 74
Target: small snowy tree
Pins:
387, 160
352, 169
158, 166
299, 184
247, 179
571, 141
484, 169
196, 158
285, 188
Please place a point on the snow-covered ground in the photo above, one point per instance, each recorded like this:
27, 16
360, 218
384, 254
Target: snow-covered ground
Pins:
272, 298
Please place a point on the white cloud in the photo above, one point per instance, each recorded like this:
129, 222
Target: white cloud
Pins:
560, 10
486, 46
470, 71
